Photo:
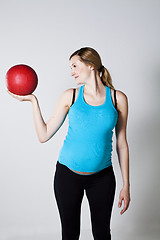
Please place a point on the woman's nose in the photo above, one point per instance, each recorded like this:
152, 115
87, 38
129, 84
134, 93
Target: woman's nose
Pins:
72, 73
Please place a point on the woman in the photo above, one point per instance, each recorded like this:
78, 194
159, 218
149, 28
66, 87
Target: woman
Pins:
84, 162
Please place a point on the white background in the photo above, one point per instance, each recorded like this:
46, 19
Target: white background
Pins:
43, 34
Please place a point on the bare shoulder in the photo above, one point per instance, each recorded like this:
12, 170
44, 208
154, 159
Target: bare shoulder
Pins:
122, 100
68, 96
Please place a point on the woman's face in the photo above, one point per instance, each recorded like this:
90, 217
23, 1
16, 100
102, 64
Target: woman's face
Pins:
79, 70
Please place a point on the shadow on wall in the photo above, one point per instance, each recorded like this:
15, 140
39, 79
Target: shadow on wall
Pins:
146, 161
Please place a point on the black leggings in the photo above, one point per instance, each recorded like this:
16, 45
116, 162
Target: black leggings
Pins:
69, 190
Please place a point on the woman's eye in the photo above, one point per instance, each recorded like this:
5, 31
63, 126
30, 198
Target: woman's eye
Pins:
73, 66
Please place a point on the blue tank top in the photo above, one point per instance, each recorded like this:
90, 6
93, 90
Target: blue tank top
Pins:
87, 146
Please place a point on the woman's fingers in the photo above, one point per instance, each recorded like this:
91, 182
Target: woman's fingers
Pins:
125, 197
124, 207
21, 98
15, 96
120, 202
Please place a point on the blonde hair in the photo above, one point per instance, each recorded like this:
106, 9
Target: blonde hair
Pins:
91, 57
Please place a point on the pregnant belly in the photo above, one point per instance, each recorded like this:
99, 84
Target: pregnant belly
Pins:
84, 173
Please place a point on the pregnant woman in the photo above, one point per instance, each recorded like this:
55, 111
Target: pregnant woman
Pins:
84, 164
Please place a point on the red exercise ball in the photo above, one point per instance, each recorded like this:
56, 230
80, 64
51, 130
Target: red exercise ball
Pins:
21, 79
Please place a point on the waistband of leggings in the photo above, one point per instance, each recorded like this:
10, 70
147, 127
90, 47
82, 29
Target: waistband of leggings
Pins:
105, 170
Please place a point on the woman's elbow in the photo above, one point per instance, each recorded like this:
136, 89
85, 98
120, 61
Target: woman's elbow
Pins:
121, 144
42, 140
45, 139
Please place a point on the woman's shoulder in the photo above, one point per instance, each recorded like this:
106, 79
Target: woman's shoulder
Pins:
122, 99
68, 93
121, 95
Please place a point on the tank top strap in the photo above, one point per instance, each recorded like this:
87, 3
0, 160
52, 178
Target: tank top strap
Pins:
80, 93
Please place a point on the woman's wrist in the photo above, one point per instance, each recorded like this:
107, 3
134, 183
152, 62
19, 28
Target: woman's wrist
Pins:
33, 99
126, 185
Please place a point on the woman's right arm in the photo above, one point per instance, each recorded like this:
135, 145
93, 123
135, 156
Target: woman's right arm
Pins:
46, 130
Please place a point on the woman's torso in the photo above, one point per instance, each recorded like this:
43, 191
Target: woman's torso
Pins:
95, 113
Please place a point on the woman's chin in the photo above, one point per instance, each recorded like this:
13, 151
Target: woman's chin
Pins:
78, 81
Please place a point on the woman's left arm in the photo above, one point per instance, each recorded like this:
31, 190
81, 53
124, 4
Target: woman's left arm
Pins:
123, 149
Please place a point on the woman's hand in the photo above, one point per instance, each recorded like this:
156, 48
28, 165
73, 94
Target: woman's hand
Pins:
22, 98
124, 196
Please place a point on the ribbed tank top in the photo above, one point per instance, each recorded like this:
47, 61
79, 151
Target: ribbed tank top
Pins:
87, 146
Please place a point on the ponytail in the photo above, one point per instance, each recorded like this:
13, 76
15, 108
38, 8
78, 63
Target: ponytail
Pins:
106, 78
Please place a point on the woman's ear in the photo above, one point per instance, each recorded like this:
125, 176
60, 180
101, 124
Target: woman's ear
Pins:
91, 68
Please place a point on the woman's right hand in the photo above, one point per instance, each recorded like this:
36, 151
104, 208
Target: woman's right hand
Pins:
46, 130
29, 97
